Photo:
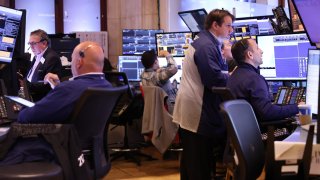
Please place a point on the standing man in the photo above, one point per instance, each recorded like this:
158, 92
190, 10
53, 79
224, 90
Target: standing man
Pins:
45, 61
197, 108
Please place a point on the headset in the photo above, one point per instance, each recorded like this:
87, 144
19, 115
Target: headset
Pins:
81, 52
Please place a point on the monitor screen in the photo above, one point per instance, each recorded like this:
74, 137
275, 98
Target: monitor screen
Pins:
176, 43
137, 41
250, 27
309, 14
9, 30
132, 66
284, 56
179, 61
313, 80
194, 19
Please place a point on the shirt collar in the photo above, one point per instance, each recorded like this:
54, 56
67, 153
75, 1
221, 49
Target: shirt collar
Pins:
91, 73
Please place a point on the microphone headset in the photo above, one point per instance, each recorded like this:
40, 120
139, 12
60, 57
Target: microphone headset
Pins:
81, 52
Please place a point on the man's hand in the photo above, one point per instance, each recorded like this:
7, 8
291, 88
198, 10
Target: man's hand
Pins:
52, 79
163, 53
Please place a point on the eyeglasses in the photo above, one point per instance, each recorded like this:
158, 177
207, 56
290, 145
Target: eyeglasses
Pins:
34, 43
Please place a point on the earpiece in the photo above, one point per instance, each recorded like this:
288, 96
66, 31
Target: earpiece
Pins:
81, 52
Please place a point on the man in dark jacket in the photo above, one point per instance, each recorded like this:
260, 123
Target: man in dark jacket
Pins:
45, 61
247, 83
87, 64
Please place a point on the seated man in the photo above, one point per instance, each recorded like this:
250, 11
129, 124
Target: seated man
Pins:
57, 106
153, 75
247, 83
45, 61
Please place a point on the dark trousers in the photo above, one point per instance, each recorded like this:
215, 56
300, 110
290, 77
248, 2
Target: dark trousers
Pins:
197, 161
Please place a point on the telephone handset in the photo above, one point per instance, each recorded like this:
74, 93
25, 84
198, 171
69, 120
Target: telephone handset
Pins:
283, 22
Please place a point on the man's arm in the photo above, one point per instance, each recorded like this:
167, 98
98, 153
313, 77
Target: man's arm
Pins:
164, 74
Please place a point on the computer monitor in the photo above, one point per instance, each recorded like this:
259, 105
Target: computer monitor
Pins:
9, 30
284, 56
179, 62
176, 43
132, 66
250, 27
313, 74
308, 11
137, 41
194, 19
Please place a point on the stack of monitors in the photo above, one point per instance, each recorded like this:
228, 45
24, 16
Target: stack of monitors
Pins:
137, 41
250, 27
285, 56
176, 43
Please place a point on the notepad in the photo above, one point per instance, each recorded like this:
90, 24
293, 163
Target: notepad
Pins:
20, 100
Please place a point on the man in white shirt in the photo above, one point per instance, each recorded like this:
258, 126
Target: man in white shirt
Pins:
45, 61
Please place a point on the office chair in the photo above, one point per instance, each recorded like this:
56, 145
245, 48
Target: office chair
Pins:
65, 143
90, 118
129, 107
244, 132
156, 119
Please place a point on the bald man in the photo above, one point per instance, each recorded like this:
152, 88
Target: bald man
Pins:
87, 65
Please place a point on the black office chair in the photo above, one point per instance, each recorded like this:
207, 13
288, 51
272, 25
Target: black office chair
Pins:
129, 107
91, 117
245, 136
65, 143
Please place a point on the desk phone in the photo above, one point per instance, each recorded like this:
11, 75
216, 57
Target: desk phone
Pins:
289, 95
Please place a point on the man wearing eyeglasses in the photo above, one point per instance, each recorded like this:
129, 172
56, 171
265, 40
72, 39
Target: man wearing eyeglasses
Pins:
45, 61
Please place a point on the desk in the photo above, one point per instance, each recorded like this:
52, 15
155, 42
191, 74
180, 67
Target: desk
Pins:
293, 146
299, 135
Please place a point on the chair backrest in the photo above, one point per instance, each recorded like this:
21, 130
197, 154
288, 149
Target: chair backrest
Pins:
130, 106
118, 79
244, 132
224, 93
90, 117
157, 119
93, 110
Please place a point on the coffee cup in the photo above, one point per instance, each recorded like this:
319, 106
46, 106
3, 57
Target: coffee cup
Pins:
304, 114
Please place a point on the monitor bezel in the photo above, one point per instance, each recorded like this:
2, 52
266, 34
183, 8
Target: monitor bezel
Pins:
290, 14
302, 22
191, 11
15, 40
